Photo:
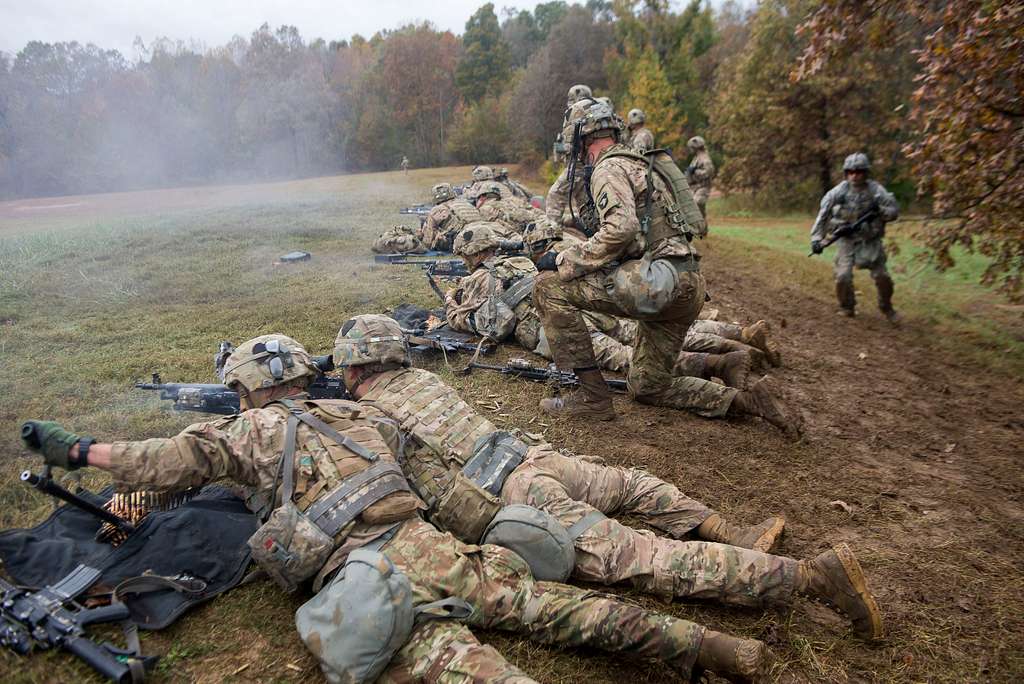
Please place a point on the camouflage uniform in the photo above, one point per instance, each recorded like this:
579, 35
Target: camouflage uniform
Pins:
247, 449
399, 239
700, 173
443, 429
641, 139
445, 220
589, 279
845, 203
518, 189
513, 214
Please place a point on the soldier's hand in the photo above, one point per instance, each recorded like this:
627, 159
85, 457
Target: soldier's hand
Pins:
547, 261
51, 440
816, 247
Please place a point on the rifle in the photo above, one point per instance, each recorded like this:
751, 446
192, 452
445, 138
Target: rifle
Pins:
41, 620
521, 368
402, 259
446, 340
44, 483
849, 229
417, 209
210, 398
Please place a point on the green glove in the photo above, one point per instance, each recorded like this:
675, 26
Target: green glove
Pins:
51, 440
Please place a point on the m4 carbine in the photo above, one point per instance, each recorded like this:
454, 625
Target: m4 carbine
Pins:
49, 618
849, 229
521, 368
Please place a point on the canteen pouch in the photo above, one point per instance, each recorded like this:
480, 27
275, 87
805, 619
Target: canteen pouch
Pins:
465, 509
537, 537
356, 624
642, 287
494, 319
290, 547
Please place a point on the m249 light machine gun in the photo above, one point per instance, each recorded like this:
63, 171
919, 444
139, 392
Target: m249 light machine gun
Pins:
521, 368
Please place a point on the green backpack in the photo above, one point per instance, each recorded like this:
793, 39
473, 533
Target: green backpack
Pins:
660, 161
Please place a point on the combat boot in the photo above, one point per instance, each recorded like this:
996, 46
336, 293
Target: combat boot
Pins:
733, 367
760, 401
847, 298
835, 578
592, 399
760, 537
736, 659
756, 335
885, 288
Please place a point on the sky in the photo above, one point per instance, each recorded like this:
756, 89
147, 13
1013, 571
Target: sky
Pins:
116, 23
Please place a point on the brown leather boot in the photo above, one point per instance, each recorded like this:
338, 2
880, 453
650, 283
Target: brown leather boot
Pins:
761, 401
760, 537
756, 335
835, 578
885, 290
847, 298
591, 400
736, 659
733, 367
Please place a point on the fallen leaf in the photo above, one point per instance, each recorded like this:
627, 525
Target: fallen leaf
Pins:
841, 504
949, 447
862, 356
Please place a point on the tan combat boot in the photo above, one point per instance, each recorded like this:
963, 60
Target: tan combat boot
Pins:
593, 399
733, 367
760, 537
736, 659
756, 335
835, 578
760, 401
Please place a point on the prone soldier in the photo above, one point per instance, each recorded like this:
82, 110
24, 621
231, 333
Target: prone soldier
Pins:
513, 215
446, 218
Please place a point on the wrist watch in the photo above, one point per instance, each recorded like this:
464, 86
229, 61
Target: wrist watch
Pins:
84, 444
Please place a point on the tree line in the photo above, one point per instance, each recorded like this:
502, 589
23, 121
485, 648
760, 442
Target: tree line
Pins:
782, 92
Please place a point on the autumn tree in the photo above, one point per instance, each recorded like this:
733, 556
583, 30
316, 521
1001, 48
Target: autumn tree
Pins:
786, 140
650, 91
485, 63
968, 115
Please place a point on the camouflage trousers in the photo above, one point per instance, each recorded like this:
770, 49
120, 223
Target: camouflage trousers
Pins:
570, 488
657, 344
505, 596
700, 196
867, 254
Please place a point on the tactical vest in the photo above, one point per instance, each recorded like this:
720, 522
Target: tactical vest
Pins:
850, 204
674, 213
462, 213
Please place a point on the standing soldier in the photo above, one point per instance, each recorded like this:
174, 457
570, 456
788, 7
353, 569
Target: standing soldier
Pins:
557, 200
700, 173
640, 137
446, 218
857, 200
405, 164
639, 264
323, 479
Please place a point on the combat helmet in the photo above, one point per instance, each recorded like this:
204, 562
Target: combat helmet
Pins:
442, 192
371, 340
592, 117
577, 93
267, 361
858, 161
695, 143
476, 237
486, 188
483, 173
636, 117
540, 233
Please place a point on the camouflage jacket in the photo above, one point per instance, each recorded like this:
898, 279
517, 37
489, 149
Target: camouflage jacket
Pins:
701, 171
491, 278
619, 188
512, 214
642, 140
845, 203
445, 220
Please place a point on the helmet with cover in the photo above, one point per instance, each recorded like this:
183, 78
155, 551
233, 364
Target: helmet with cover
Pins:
483, 173
695, 144
593, 118
577, 93
442, 192
476, 237
267, 361
486, 189
371, 340
636, 117
858, 161
540, 233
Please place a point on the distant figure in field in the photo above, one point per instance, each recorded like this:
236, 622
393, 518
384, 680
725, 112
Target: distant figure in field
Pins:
700, 173
405, 164
640, 137
854, 198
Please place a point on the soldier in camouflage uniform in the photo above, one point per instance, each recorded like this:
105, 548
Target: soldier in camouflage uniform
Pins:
639, 264
343, 495
446, 218
400, 239
485, 174
556, 204
512, 213
517, 189
640, 137
445, 433
495, 300
700, 173
844, 204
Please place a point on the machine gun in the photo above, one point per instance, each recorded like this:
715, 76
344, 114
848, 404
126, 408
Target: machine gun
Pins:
849, 229
417, 209
403, 259
49, 618
444, 339
521, 368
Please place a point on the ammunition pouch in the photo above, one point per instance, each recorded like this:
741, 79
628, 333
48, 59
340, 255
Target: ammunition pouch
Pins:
494, 457
290, 547
465, 509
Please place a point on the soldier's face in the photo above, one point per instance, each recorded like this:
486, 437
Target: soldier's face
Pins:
857, 177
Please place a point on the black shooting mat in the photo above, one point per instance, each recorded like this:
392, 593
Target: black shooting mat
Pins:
204, 538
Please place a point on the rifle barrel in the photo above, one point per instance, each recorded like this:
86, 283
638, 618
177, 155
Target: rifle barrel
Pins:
48, 486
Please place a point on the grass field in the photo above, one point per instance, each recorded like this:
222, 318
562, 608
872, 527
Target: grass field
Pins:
97, 292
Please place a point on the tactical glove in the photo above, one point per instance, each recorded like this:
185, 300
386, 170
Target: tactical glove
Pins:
547, 262
51, 440
816, 247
